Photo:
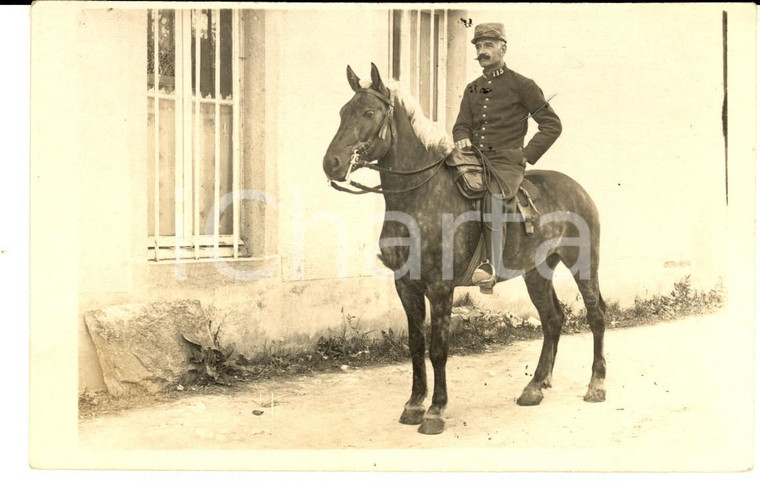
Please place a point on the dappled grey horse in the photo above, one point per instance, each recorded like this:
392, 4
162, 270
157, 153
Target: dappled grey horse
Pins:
429, 241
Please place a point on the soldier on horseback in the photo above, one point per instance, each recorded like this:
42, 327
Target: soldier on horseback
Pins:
386, 124
492, 122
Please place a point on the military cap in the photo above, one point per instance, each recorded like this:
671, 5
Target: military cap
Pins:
489, 30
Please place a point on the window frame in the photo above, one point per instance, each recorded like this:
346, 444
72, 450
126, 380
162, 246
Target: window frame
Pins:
191, 239
406, 52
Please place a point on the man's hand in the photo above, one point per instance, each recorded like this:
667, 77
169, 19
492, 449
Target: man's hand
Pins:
463, 144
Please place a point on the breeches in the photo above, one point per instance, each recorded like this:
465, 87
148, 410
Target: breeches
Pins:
505, 172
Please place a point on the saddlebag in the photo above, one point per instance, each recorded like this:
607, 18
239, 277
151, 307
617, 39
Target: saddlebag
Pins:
468, 173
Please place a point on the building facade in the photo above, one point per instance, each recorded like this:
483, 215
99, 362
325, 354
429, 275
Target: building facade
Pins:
177, 154
238, 106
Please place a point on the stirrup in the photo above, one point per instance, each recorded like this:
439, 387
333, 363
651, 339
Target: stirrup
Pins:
484, 281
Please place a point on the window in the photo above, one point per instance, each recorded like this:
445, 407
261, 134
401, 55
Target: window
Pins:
418, 59
193, 134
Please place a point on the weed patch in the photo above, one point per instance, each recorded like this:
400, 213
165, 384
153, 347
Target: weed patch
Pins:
682, 301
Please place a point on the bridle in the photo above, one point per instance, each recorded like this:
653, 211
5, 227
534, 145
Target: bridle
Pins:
357, 161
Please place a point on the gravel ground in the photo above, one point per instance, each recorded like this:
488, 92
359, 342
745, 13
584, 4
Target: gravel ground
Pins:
679, 397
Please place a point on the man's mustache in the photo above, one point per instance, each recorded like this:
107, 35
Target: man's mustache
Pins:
483, 57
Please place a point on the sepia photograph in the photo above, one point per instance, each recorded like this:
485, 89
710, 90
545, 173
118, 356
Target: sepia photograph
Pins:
393, 237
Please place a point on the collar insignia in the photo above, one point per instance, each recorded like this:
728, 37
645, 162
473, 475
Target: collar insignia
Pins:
495, 73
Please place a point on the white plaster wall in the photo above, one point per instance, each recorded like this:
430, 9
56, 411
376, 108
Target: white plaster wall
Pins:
337, 232
112, 113
110, 108
54, 203
639, 92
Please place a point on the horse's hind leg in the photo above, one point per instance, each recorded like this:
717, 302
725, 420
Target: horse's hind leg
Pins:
413, 299
595, 309
543, 296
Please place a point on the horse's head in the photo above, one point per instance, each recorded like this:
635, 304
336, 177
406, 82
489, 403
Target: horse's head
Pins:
365, 127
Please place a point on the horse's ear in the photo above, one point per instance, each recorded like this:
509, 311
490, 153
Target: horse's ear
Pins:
377, 82
353, 79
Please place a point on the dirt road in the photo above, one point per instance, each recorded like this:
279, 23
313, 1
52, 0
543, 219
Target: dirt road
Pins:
679, 396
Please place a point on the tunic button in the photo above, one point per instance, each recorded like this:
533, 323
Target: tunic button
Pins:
484, 115
482, 128
487, 99
489, 81
481, 145
485, 106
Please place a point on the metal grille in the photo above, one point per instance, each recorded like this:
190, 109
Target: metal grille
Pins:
418, 60
193, 134
166, 48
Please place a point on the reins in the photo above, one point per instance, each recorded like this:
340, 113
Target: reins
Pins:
356, 161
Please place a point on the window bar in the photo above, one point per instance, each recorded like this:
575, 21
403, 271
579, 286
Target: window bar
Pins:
156, 133
179, 138
197, 132
413, 52
405, 53
389, 74
217, 125
417, 58
185, 186
235, 132
443, 46
431, 50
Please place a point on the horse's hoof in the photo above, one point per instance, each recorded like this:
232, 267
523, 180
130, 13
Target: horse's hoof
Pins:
432, 425
595, 395
412, 416
530, 398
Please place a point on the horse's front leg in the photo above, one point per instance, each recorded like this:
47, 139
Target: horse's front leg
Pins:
441, 299
412, 297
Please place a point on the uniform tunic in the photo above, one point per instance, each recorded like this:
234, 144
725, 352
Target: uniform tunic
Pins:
494, 116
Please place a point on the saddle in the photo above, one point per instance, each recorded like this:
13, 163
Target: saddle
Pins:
468, 172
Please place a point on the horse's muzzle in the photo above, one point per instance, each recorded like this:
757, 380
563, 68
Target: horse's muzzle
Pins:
333, 169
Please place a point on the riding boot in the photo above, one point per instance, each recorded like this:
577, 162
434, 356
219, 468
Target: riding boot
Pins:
484, 275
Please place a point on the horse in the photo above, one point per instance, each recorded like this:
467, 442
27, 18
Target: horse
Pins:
383, 128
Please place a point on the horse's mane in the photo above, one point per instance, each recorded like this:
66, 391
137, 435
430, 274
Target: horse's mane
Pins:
432, 135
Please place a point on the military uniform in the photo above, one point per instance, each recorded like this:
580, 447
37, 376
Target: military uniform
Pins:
494, 116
